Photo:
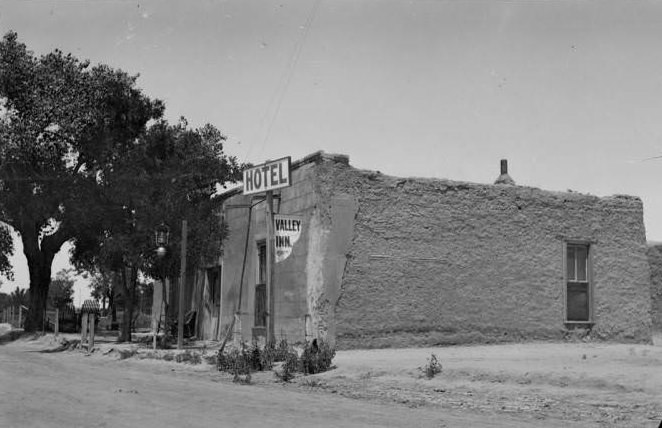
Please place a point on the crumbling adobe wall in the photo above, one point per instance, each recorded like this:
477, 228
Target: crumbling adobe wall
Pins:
437, 261
655, 261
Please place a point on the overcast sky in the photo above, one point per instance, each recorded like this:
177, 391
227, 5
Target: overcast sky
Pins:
570, 92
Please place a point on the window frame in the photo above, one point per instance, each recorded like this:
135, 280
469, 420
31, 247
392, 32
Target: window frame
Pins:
260, 318
589, 280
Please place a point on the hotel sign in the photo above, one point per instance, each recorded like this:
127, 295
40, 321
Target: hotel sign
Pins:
268, 176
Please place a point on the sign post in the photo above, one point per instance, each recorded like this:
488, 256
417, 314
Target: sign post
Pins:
270, 268
266, 178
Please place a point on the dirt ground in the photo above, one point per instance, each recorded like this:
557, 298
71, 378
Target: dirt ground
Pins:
533, 384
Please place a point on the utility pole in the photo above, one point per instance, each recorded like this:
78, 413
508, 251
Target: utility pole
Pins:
182, 287
271, 319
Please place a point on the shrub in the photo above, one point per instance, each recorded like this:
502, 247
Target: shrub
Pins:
290, 365
188, 357
317, 357
432, 368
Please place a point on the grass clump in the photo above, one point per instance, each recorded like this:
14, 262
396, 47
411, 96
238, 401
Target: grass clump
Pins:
289, 367
316, 357
432, 368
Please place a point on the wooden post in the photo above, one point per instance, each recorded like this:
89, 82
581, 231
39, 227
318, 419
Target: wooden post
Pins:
90, 343
83, 328
182, 287
271, 319
20, 316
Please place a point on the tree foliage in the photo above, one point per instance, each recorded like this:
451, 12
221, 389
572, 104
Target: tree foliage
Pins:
169, 174
6, 250
4, 300
63, 125
61, 290
19, 296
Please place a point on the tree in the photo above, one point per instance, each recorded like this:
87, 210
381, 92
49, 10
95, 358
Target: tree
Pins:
168, 175
102, 290
4, 300
6, 250
19, 297
63, 124
61, 290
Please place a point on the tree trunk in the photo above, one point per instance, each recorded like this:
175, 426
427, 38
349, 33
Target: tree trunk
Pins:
39, 253
128, 284
39, 265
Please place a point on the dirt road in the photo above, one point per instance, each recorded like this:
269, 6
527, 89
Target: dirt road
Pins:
69, 389
509, 385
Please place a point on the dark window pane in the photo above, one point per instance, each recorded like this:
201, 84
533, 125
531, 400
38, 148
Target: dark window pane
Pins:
577, 302
260, 305
262, 263
581, 253
571, 263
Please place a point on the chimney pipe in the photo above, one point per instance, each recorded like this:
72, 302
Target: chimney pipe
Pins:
504, 178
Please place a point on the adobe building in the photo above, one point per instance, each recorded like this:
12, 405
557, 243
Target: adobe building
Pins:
385, 261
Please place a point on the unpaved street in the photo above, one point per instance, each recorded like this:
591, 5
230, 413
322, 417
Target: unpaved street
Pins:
578, 384
69, 389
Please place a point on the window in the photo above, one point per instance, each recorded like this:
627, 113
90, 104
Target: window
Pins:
261, 286
578, 290
214, 280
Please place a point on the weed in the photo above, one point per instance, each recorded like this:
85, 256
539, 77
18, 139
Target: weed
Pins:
317, 357
188, 357
127, 353
211, 359
432, 368
313, 383
289, 367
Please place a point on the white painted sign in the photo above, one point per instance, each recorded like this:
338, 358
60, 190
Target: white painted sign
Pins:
287, 232
268, 176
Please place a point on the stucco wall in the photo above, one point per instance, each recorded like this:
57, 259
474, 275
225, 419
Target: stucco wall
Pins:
655, 261
304, 281
436, 261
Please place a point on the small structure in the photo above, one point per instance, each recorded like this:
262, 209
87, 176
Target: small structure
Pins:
89, 314
387, 261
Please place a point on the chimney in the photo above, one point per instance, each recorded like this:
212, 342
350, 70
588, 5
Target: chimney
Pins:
504, 178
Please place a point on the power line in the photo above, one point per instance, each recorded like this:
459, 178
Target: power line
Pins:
278, 96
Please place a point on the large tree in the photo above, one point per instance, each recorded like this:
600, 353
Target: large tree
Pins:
168, 175
63, 124
61, 290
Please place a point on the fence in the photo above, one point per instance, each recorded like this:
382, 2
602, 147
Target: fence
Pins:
69, 318
14, 315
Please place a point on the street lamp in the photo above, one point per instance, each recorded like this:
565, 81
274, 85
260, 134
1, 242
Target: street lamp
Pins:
161, 237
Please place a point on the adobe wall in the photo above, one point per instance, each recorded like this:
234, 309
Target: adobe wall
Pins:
655, 261
442, 262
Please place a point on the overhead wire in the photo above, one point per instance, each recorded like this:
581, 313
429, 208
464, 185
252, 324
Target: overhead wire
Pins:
277, 98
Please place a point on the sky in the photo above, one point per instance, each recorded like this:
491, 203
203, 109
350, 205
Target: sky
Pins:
570, 92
